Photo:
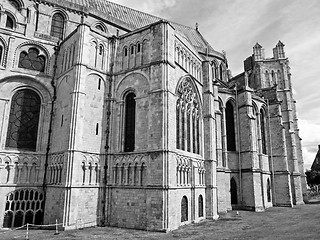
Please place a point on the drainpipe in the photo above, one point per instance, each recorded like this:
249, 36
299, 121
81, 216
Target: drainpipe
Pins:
271, 157
108, 126
44, 185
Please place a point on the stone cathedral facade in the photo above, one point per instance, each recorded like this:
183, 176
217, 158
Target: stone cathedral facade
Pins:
114, 117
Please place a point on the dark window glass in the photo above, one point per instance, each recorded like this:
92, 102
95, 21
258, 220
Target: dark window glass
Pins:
178, 127
263, 133
132, 49
23, 120
57, 25
32, 60
9, 22
231, 137
221, 72
1, 50
184, 209
139, 47
130, 116
200, 206
125, 52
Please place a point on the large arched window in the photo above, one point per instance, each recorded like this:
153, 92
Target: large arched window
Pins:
23, 120
32, 60
57, 25
184, 209
187, 118
200, 205
263, 131
231, 136
130, 117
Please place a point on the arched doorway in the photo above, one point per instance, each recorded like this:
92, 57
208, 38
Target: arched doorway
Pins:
23, 206
233, 191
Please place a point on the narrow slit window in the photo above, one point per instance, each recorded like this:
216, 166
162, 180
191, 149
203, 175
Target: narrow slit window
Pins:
97, 128
99, 84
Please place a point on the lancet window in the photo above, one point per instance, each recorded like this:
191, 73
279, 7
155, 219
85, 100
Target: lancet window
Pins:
263, 132
129, 129
187, 118
230, 127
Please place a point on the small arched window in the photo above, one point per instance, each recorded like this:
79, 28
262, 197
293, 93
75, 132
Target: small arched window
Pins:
100, 28
230, 127
16, 4
184, 209
200, 205
57, 25
9, 22
23, 120
32, 60
130, 117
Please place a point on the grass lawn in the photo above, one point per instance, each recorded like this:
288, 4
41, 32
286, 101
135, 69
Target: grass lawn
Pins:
300, 222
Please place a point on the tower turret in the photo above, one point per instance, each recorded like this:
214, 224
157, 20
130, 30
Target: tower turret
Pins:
278, 51
258, 52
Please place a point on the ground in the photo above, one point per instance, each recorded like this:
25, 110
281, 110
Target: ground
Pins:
300, 222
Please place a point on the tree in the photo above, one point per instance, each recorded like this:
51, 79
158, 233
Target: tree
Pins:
313, 177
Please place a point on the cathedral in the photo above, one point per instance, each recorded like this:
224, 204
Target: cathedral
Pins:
113, 117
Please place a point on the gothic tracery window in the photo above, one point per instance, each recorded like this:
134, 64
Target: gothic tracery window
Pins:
23, 120
187, 118
32, 60
57, 25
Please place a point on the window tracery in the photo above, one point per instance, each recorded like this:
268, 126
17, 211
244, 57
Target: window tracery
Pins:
23, 120
187, 118
32, 60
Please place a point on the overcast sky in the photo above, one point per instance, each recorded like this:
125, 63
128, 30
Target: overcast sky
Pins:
236, 25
